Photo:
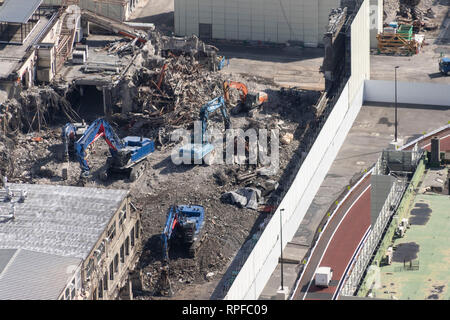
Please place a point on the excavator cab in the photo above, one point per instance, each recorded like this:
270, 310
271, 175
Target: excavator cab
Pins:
444, 66
248, 100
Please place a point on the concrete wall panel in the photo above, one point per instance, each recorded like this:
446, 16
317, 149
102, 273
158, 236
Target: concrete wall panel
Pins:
407, 92
266, 20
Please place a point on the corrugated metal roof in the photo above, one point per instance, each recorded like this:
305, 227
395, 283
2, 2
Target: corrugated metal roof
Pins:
60, 220
36, 276
18, 11
5, 256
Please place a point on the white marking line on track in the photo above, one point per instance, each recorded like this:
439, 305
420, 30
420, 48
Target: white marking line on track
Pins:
329, 240
351, 262
325, 227
439, 140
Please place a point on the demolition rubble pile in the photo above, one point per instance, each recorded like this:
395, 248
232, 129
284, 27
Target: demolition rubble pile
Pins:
237, 198
34, 109
416, 12
167, 92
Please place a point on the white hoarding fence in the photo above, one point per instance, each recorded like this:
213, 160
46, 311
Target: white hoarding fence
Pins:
407, 92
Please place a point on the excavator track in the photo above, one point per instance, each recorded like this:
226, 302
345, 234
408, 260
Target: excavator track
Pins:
138, 170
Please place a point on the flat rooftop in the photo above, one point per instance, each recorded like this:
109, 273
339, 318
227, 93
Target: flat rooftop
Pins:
52, 233
426, 244
60, 220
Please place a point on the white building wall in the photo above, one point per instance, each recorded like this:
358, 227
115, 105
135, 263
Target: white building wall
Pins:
360, 49
376, 21
426, 93
258, 20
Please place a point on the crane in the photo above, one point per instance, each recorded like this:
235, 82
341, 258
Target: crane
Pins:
128, 155
204, 150
249, 100
184, 222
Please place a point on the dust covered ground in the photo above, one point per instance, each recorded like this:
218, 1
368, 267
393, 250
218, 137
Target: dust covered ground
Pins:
30, 155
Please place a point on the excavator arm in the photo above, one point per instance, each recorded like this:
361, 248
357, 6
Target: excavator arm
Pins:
248, 100
171, 223
237, 85
99, 128
210, 107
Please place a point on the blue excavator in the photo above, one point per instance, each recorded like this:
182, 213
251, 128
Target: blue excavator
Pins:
71, 132
184, 223
444, 66
202, 150
128, 155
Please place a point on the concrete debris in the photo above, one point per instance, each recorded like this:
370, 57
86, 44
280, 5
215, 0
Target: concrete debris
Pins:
162, 89
415, 12
34, 109
287, 138
243, 198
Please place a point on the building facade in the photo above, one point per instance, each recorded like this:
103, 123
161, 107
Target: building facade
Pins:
279, 21
115, 9
67, 243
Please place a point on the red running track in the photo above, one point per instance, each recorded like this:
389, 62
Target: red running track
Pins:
340, 246
343, 244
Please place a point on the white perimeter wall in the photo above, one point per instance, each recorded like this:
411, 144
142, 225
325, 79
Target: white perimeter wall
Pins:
407, 92
264, 20
263, 260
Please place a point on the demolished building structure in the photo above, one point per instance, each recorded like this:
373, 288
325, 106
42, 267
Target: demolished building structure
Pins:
66, 243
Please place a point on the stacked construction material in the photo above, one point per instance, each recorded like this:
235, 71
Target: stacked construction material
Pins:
399, 41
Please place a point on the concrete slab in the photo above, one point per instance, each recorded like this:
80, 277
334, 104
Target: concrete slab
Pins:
286, 66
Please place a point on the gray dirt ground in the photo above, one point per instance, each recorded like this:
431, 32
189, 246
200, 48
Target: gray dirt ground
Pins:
165, 184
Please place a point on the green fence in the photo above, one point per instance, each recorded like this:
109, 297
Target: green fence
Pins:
403, 211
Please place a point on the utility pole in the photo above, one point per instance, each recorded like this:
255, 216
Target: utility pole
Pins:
281, 247
395, 69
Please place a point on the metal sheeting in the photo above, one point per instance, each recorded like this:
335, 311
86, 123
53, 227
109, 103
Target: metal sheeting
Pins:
36, 276
270, 20
18, 11
61, 220
5, 257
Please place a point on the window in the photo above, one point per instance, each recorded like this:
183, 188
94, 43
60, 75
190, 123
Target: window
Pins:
67, 294
100, 288
122, 215
100, 250
122, 254
132, 237
116, 263
111, 271
127, 246
137, 229
112, 231
105, 281
72, 294
90, 267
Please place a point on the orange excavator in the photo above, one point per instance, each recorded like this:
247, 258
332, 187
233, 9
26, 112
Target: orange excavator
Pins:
249, 100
